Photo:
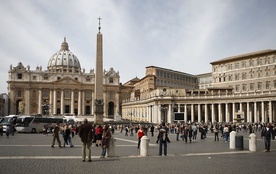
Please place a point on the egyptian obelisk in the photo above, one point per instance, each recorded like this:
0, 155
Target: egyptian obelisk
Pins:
98, 101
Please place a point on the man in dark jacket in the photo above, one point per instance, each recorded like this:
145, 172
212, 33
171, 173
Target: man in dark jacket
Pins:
86, 134
266, 133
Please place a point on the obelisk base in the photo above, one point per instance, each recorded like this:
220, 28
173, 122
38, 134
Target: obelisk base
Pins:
98, 114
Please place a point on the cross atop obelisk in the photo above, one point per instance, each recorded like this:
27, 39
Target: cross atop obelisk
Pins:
98, 101
99, 18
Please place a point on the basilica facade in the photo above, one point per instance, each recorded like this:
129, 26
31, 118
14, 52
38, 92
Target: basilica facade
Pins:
61, 89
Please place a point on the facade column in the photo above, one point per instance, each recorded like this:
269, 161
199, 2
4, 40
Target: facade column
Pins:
55, 103
199, 113
83, 102
51, 102
192, 113
263, 113
219, 112
270, 112
213, 112
39, 101
206, 113
72, 102
255, 112
169, 119
226, 112
178, 108
27, 102
247, 112
185, 113
234, 111
62, 102
79, 103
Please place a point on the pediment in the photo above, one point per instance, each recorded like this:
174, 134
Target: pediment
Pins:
67, 80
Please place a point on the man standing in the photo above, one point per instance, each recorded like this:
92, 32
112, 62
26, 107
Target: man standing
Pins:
266, 133
56, 135
86, 134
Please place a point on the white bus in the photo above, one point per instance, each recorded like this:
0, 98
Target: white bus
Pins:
35, 124
8, 120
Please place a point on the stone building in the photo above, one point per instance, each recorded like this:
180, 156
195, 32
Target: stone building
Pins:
243, 89
62, 89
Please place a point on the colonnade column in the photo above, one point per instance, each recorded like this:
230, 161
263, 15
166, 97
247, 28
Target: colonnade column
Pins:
248, 112
55, 102
263, 112
219, 114
270, 112
51, 102
206, 113
185, 112
234, 111
199, 113
83, 102
39, 101
72, 103
62, 102
169, 119
79, 103
213, 112
226, 113
192, 113
255, 112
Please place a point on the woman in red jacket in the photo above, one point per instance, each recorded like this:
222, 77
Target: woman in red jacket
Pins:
140, 134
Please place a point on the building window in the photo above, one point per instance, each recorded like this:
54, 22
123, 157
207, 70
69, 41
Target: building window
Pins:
237, 87
251, 86
67, 94
243, 75
88, 80
88, 95
76, 94
274, 84
237, 66
111, 80
259, 85
58, 78
243, 64
76, 79
237, 76
259, 61
230, 77
19, 76
251, 63
45, 93
111, 95
34, 77
45, 77
230, 67
244, 87
19, 93
267, 84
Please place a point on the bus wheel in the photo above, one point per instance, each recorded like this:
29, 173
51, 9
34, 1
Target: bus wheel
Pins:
33, 130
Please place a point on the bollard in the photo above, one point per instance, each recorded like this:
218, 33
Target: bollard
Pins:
239, 142
110, 151
144, 146
232, 143
252, 142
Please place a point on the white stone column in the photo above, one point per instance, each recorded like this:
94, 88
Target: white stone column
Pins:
270, 112
226, 112
199, 113
234, 111
51, 102
39, 101
247, 112
263, 112
178, 108
79, 103
213, 112
55, 102
62, 102
192, 113
255, 112
185, 113
27, 102
169, 119
219, 112
83, 102
206, 113
72, 102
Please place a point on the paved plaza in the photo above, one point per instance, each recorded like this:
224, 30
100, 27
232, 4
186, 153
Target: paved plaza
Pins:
32, 153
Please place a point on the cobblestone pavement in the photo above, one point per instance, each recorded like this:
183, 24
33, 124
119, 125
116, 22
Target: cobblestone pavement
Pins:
31, 153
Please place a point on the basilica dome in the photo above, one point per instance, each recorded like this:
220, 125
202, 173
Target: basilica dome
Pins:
64, 60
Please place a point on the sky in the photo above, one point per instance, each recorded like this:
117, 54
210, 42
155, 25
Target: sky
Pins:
182, 35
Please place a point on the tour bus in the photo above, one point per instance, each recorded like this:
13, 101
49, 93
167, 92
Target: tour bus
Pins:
8, 120
36, 124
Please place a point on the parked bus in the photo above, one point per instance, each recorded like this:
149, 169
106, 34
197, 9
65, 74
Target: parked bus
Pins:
8, 120
35, 124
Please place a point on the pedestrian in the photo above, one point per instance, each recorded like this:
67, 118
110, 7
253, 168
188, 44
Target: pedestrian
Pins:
8, 131
152, 130
140, 134
226, 133
56, 131
177, 132
66, 136
163, 139
105, 140
86, 134
266, 133
216, 131
126, 130
1, 130
194, 128
99, 135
